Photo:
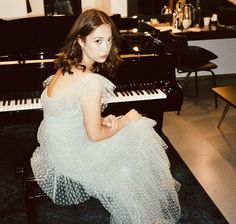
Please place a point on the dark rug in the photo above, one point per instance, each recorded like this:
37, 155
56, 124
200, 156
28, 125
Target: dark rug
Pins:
17, 141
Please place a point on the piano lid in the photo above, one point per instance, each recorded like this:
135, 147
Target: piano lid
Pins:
27, 37
31, 43
42, 37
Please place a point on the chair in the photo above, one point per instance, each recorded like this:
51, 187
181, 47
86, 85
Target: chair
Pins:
192, 59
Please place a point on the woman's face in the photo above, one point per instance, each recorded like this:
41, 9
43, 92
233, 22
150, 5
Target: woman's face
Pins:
97, 45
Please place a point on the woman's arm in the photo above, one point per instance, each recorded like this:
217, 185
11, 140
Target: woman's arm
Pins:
98, 128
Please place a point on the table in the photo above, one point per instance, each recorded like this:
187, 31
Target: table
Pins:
228, 94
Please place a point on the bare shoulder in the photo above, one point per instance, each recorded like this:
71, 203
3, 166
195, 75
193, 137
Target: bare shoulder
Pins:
60, 84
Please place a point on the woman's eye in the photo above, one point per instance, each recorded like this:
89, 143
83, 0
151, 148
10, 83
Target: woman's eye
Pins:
98, 41
110, 40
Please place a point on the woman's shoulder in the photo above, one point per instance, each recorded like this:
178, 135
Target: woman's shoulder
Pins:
103, 80
98, 79
95, 81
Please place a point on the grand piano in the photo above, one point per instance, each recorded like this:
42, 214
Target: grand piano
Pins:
145, 79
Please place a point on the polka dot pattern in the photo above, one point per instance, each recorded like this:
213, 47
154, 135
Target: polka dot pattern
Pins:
129, 172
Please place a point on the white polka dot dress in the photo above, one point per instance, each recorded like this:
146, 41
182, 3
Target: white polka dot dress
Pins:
128, 172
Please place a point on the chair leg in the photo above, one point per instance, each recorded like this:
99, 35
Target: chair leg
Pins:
185, 86
186, 82
196, 85
214, 85
213, 78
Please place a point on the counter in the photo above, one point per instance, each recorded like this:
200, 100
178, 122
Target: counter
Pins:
205, 33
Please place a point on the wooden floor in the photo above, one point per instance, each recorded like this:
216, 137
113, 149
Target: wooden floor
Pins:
209, 152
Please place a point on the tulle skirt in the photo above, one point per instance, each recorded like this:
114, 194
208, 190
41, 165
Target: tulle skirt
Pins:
129, 173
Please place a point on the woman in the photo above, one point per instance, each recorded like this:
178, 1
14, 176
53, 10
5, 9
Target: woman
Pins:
119, 160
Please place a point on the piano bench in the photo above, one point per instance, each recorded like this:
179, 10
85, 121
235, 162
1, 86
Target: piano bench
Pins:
32, 192
33, 195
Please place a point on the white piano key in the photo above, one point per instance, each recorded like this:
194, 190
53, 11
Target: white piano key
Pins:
5, 107
24, 105
13, 105
37, 104
17, 104
29, 104
8, 106
1, 106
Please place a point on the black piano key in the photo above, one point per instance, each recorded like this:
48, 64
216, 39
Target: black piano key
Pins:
125, 90
128, 90
24, 97
154, 87
145, 89
116, 94
149, 88
140, 89
134, 88
137, 87
119, 91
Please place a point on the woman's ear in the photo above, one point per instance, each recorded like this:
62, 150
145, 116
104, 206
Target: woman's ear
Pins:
80, 42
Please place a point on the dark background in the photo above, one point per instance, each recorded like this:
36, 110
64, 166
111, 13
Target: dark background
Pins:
49, 9
152, 8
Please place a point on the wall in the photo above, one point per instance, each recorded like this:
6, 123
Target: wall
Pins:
109, 6
17, 8
37, 8
11, 9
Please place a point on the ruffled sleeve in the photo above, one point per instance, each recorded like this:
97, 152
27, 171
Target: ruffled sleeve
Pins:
47, 81
98, 83
107, 88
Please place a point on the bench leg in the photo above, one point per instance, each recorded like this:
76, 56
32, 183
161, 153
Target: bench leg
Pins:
30, 203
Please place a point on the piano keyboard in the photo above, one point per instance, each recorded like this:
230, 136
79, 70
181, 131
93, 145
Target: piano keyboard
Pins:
121, 94
20, 104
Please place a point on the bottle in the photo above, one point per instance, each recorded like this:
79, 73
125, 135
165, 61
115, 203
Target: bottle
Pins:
214, 22
197, 14
187, 16
178, 15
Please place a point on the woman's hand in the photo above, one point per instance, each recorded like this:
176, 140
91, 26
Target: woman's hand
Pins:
133, 115
110, 121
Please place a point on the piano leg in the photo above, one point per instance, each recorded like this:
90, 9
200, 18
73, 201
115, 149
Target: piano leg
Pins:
159, 119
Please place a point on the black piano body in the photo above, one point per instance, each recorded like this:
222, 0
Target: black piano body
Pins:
29, 46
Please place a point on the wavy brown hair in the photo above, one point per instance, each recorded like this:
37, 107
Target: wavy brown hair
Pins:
71, 54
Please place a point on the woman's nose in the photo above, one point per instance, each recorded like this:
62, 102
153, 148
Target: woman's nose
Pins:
106, 45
